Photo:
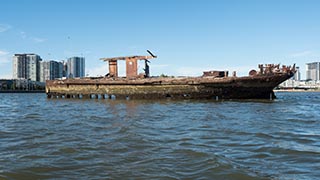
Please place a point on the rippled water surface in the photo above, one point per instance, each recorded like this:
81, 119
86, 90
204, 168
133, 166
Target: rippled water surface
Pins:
113, 139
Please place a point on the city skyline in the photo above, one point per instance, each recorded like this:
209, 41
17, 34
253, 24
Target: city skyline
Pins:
31, 67
188, 36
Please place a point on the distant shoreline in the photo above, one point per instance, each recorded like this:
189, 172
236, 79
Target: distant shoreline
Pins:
22, 91
43, 91
296, 90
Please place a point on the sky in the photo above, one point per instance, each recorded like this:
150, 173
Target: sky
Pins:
188, 36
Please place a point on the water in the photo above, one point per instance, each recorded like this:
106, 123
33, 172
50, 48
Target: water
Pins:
114, 139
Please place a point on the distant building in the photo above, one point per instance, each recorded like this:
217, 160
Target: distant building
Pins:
76, 67
297, 75
44, 71
6, 84
313, 71
293, 81
56, 69
20, 84
65, 69
50, 70
26, 66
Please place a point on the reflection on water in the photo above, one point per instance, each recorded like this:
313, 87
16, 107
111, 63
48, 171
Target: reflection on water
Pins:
164, 139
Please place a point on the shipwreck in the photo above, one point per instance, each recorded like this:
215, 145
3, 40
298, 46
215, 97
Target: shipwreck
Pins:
259, 84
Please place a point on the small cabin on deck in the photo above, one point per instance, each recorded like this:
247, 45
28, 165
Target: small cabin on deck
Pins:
131, 65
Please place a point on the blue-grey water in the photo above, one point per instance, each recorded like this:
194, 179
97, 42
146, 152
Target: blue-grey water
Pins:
44, 138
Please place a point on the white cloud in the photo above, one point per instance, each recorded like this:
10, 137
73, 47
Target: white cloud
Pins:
4, 57
24, 35
38, 40
301, 54
4, 27
3, 60
5, 65
3, 53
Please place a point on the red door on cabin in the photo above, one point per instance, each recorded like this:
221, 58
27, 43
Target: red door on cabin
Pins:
131, 67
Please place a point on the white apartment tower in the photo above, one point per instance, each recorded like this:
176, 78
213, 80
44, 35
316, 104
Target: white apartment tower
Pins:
50, 70
26, 66
313, 71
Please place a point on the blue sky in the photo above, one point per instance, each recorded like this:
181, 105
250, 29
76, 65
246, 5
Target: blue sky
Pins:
189, 36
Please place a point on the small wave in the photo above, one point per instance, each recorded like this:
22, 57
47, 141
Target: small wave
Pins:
32, 116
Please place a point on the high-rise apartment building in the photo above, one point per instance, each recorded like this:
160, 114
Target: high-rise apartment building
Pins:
313, 71
65, 69
50, 70
44, 71
297, 75
26, 66
76, 67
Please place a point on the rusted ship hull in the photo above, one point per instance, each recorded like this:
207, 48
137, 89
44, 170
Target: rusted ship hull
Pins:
249, 87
